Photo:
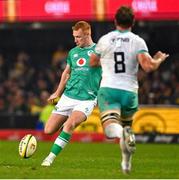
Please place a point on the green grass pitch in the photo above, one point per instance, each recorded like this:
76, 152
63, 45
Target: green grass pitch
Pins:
90, 161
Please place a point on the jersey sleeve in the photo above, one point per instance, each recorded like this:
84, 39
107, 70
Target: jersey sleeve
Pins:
100, 46
141, 46
68, 60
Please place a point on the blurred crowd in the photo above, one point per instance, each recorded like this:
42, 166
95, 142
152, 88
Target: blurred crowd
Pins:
160, 87
25, 86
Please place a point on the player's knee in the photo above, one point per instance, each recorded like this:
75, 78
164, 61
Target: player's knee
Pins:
69, 126
48, 130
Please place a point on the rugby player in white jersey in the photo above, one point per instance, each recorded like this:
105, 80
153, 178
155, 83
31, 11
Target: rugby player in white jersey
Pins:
119, 53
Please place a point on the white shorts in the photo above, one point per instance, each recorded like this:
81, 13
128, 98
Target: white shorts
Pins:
66, 106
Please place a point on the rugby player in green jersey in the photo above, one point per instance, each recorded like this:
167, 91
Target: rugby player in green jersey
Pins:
77, 91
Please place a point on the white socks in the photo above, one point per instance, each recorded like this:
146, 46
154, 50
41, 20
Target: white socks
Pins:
113, 130
51, 157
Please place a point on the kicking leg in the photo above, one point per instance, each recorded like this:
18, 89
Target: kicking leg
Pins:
62, 140
54, 123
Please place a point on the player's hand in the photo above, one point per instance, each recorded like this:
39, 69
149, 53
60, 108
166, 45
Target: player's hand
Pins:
52, 98
160, 56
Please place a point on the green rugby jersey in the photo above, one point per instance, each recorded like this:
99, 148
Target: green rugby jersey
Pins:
84, 80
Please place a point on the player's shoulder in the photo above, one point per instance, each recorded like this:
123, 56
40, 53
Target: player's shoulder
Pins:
107, 36
111, 33
73, 50
136, 37
92, 46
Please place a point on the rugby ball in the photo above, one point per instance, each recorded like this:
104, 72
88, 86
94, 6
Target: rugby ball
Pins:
27, 146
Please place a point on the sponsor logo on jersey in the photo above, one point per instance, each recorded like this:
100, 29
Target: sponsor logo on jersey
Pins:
118, 40
90, 52
81, 62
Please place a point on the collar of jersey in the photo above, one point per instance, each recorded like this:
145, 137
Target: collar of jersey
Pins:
123, 31
88, 47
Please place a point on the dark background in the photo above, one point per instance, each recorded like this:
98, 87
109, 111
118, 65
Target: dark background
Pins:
40, 40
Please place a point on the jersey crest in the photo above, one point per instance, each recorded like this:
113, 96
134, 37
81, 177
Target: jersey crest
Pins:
90, 52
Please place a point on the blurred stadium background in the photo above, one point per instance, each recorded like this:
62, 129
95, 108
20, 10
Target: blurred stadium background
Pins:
35, 37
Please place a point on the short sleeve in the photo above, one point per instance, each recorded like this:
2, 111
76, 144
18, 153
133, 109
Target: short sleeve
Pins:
100, 46
69, 59
141, 46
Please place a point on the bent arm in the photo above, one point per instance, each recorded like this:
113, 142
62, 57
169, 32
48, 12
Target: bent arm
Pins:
94, 60
64, 78
148, 63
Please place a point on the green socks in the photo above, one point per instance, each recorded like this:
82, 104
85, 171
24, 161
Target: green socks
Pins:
60, 142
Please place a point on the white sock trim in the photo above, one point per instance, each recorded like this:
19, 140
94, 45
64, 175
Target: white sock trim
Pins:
60, 142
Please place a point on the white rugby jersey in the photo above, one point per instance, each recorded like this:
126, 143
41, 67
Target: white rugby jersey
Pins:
118, 56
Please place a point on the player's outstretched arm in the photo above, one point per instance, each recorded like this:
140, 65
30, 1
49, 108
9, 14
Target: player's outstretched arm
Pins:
148, 63
64, 78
